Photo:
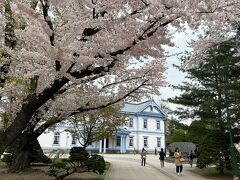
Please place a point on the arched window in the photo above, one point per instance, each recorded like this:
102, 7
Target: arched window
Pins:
151, 108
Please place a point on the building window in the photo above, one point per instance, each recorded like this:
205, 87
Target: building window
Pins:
151, 108
74, 140
131, 141
118, 140
144, 123
56, 138
131, 122
158, 125
145, 141
158, 142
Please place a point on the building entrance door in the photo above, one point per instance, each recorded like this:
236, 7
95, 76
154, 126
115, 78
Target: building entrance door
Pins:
106, 143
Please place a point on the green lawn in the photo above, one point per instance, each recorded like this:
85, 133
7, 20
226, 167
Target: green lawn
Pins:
212, 173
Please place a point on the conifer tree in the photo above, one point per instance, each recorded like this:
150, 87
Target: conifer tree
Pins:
211, 95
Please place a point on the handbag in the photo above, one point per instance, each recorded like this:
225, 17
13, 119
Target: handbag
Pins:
182, 159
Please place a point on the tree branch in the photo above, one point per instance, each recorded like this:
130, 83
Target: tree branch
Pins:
122, 81
47, 124
45, 8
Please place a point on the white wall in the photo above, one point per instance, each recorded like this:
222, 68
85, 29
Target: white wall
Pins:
65, 140
151, 132
151, 124
46, 139
152, 141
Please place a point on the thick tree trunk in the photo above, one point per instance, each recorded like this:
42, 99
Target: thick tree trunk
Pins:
22, 150
21, 161
31, 105
26, 150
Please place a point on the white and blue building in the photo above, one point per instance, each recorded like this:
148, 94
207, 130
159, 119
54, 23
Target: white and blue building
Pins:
145, 129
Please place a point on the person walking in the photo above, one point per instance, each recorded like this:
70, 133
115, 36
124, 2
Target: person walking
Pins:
190, 158
161, 157
178, 161
143, 157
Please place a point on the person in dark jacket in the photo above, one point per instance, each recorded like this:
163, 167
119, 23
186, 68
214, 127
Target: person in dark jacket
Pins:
190, 158
143, 156
161, 157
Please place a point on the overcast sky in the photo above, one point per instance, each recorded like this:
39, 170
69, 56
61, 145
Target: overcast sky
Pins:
173, 76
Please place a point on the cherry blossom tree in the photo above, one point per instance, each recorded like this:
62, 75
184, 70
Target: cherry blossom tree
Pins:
66, 57
95, 125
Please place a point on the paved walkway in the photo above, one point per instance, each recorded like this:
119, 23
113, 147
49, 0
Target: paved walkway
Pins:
128, 167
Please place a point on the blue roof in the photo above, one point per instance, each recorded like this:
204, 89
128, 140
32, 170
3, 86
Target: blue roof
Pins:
131, 108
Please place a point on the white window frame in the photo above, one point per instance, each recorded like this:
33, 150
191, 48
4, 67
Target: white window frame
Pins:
74, 140
145, 121
158, 123
131, 140
131, 122
57, 136
119, 141
151, 108
145, 140
159, 142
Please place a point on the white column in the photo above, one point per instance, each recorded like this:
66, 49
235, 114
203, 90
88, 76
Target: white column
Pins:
67, 140
137, 133
104, 145
100, 146
113, 147
124, 144
121, 146
164, 141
